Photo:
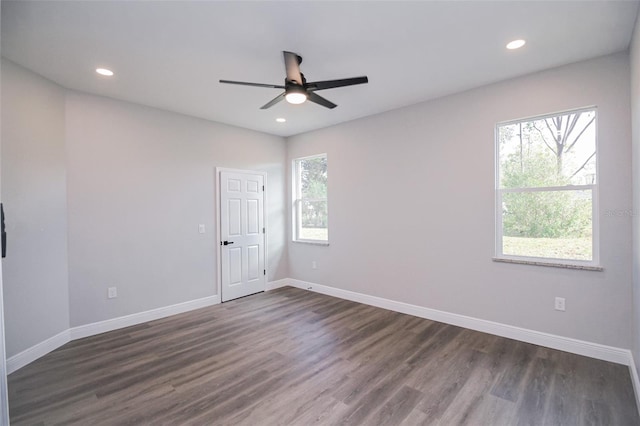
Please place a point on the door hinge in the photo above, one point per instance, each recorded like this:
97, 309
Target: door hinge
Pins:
263, 231
264, 271
263, 187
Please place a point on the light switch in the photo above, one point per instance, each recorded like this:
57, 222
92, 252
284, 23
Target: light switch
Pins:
201, 228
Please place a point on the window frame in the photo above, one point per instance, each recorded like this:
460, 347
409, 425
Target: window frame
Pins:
297, 200
594, 263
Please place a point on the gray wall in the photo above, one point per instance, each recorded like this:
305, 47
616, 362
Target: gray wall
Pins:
411, 207
36, 297
140, 180
4, 399
635, 127
102, 193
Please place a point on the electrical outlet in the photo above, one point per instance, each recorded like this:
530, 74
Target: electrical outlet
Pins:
560, 304
314, 265
112, 292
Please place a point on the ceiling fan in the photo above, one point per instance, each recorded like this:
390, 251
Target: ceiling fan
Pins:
296, 88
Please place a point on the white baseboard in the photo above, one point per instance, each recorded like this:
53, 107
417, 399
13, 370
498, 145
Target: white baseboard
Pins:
27, 356
33, 353
140, 317
272, 285
580, 347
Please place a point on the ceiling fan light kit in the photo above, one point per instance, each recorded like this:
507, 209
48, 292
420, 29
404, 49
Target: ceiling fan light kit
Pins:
295, 94
296, 88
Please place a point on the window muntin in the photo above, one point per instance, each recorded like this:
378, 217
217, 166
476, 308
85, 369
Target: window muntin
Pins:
546, 180
310, 199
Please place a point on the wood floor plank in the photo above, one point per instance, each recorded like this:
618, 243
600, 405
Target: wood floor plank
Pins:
474, 404
511, 382
375, 397
398, 407
531, 407
444, 388
293, 357
296, 402
564, 405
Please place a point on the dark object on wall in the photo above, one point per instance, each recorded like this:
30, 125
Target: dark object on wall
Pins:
2, 232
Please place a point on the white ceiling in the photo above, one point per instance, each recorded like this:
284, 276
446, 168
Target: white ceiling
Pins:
171, 54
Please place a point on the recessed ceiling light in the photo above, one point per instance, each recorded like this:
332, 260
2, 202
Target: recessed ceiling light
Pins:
516, 44
281, 120
104, 71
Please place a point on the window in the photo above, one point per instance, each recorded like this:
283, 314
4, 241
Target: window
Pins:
310, 199
547, 189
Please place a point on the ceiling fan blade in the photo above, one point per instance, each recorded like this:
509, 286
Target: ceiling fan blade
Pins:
273, 101
314, 97
292, 63
244, 83
330, 84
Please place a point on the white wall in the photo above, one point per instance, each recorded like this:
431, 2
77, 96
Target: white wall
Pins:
36, 298
411, 207
140, 180
635, 128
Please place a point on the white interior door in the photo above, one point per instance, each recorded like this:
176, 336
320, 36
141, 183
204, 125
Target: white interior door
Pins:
242, 234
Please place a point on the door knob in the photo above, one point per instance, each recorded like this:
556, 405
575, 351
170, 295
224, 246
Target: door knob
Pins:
226, 243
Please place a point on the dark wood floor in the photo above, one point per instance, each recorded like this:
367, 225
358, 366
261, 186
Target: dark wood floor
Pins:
293, 357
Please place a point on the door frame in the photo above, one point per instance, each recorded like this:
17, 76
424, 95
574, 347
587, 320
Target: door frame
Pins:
217, 206
4, 392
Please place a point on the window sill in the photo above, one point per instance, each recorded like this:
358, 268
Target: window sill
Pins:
313, 243
549, 264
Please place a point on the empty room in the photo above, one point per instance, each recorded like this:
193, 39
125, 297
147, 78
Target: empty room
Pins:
320, 212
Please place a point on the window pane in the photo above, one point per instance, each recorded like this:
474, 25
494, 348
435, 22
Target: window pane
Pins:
313, 220
552, 224
554, 151
313, 177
